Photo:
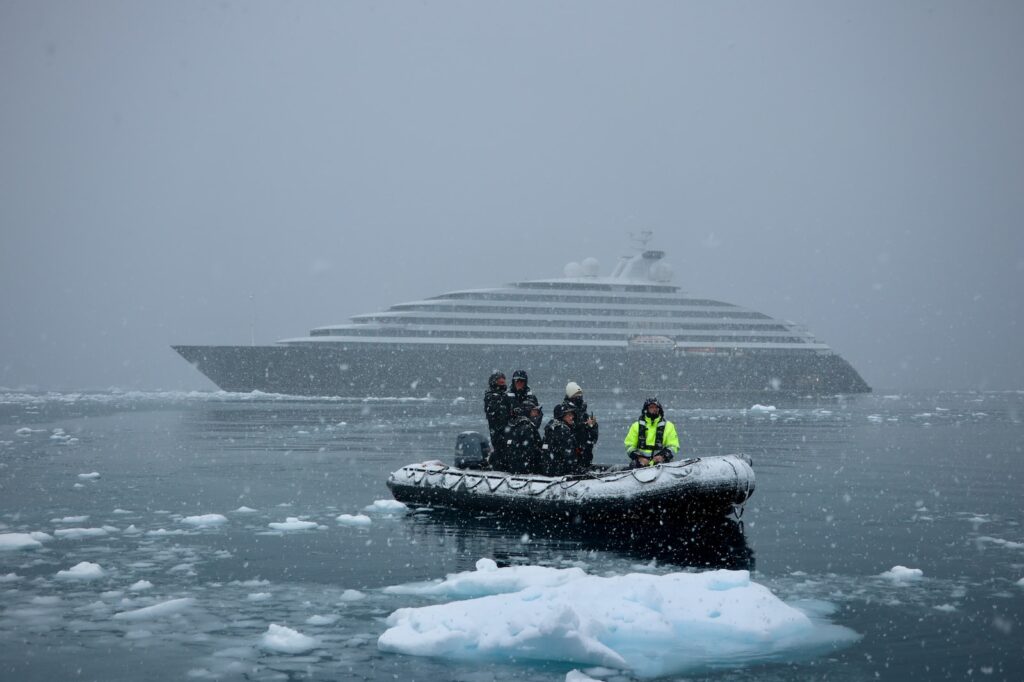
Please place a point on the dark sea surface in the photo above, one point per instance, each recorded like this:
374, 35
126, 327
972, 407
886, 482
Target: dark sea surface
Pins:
847, 489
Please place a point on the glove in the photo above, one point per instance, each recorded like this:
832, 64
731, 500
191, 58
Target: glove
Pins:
636, 452
666, 454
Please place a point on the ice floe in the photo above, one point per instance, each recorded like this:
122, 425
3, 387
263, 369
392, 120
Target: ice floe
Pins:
287, 641
646, 624
160, 610
245, 510
15, 541
386, 507
80, 533
354, 520
902, 574
205, 520
140, 586
92, 475
292, 523
83, 570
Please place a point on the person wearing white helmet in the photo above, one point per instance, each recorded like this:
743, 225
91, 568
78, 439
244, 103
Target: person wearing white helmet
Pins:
584, 429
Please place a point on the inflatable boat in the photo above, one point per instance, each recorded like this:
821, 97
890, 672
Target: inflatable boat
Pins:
692, 487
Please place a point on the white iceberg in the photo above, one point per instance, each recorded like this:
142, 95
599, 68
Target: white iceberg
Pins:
84, 570
292, 523
287, 641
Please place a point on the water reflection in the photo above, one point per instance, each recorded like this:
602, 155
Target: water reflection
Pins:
701, 544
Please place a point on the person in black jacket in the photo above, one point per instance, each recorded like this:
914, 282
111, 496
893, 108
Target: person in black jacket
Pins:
498, 409
560, 458
522, 396
584, 427
522, 449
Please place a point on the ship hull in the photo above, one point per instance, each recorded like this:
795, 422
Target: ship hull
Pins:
355, 370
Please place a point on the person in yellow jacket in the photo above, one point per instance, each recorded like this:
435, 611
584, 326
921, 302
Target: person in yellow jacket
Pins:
652, 439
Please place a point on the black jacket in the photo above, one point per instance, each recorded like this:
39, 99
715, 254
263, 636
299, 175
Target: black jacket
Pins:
586, 436
525, 398
560, 457
521, 451
498, 409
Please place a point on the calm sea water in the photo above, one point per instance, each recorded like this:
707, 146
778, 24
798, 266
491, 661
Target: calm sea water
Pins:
846, 490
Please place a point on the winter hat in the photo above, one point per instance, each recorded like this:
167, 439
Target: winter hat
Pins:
572, 388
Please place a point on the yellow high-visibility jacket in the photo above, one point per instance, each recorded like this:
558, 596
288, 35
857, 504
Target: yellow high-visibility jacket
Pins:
669, 438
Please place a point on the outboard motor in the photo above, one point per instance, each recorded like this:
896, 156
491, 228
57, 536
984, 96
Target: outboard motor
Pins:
471, 450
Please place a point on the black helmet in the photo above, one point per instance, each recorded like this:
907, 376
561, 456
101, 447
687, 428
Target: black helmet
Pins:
520, 374
493, 380
648, 403
561, 409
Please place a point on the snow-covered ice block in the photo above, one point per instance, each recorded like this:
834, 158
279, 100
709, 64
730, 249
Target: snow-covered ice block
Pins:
84, 570
205, 520
646, 624
902, 574
287, 641
292, 523
356, 520
161, 610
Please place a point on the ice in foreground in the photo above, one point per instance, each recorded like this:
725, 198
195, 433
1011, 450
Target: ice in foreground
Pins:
647, 624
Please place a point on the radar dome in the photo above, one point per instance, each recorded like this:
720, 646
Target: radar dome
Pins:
661, 272
573, 270
590, 267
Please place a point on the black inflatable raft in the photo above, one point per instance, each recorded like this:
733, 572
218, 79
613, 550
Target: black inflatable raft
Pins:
697, 486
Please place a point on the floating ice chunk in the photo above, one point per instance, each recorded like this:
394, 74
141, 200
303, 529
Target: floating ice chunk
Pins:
352, 595
160, 532
140, 586
71, 519
386, 507
84, 570
13, 541
321, 620
649, 625
357, 520
945, 608
79, 533
205, 520
1009, 544
25, 431
161, 610
132, 530
90, 476
259, 596
762, 408
1019, 583
902, 574
287, 641
489, 579
292, 523
9, 577
245, 510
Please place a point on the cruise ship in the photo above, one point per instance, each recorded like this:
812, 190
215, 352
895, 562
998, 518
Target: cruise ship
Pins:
631, 331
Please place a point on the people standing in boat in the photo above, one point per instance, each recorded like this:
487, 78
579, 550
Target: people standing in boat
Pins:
522, 396
521, 453
560, 452
498, 409
584, 427
652, 439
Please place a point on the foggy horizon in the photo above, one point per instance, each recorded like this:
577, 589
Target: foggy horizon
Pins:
212, 174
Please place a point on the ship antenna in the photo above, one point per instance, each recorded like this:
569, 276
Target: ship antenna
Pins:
252, 325
643, 237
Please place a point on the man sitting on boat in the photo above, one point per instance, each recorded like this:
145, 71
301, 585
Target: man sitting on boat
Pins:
584, 425
652, 439
560, 452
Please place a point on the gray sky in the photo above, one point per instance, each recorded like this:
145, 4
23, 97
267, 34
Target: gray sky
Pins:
169, 171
